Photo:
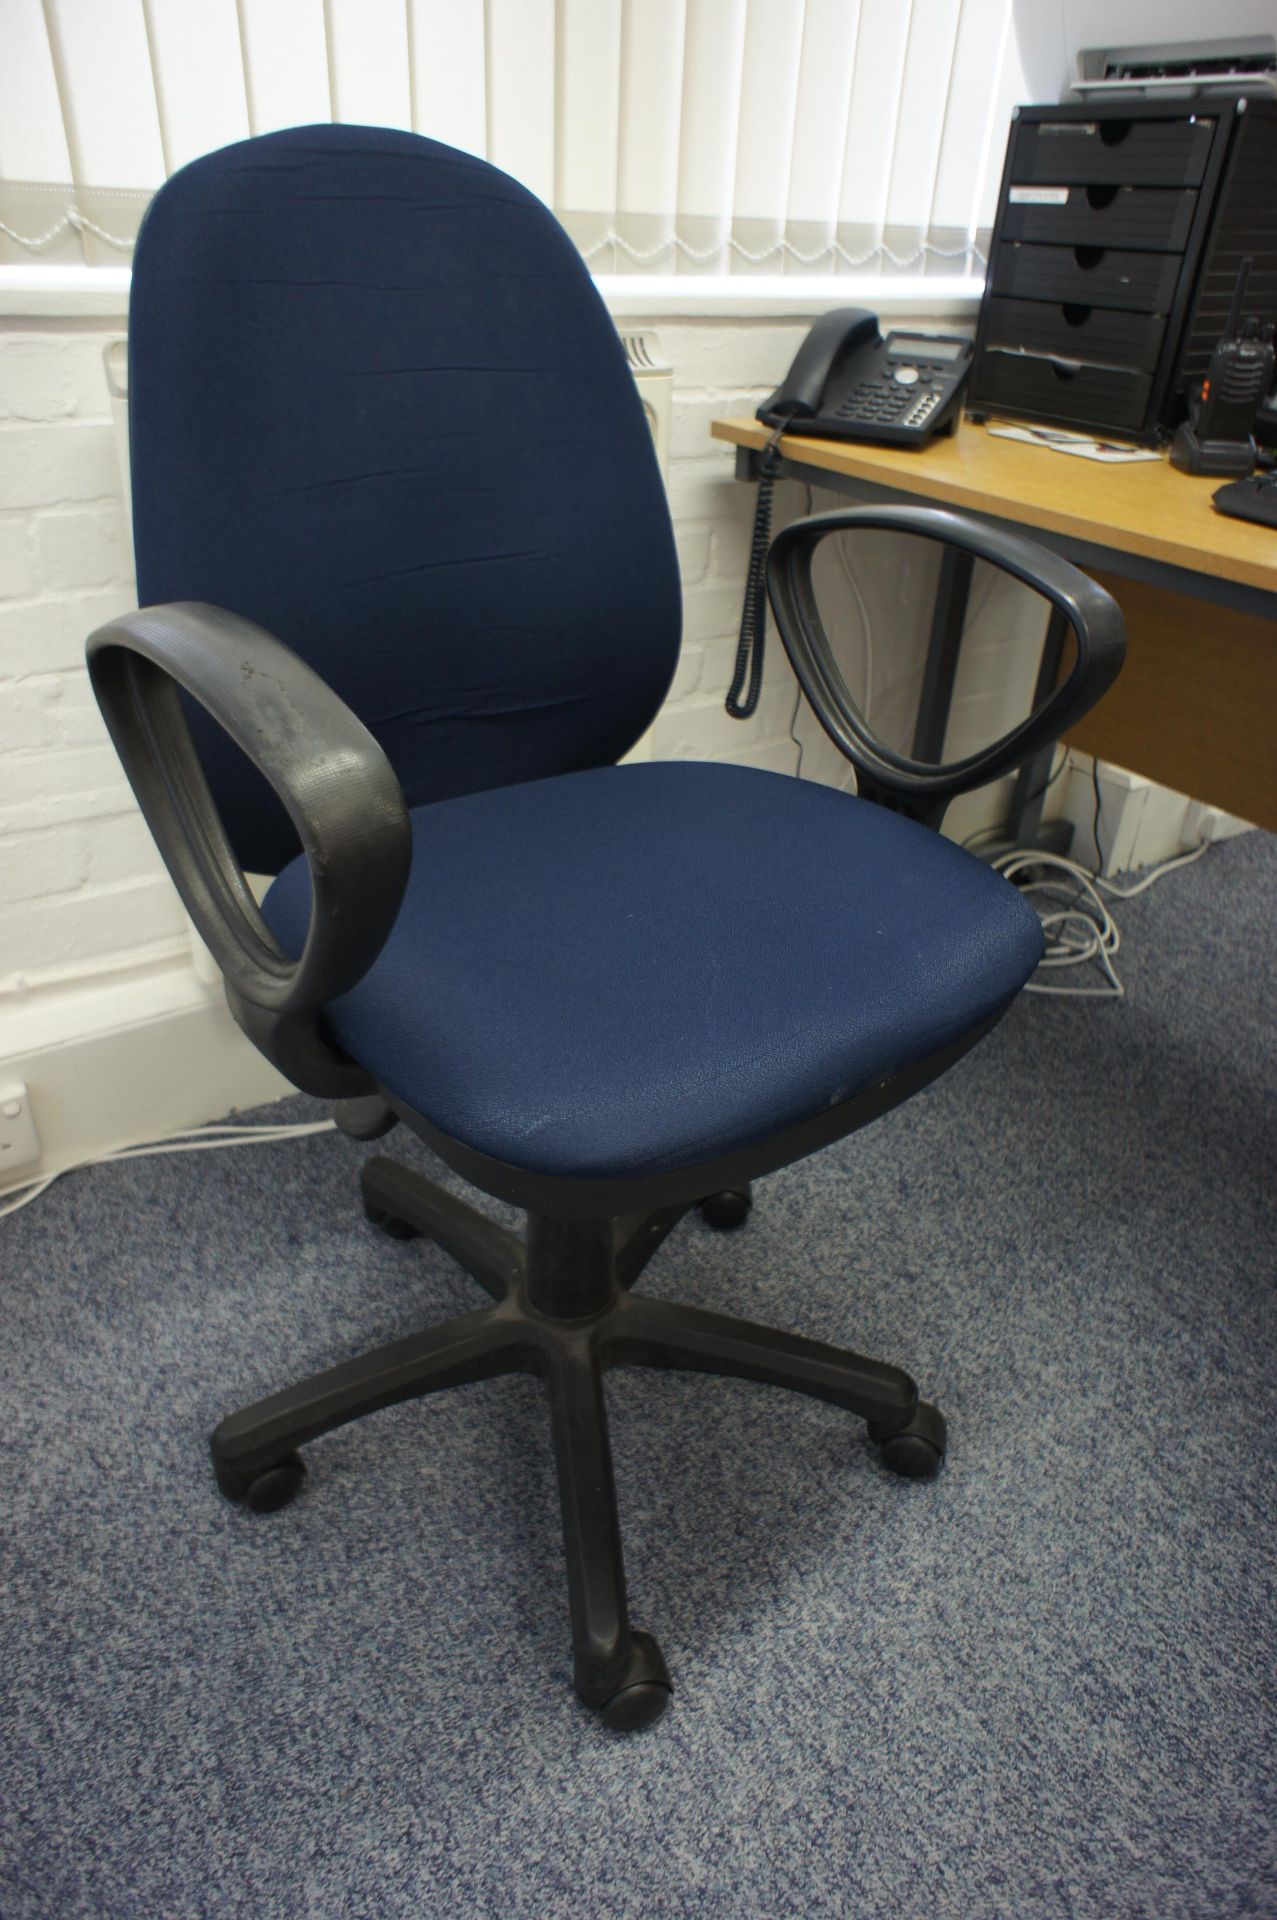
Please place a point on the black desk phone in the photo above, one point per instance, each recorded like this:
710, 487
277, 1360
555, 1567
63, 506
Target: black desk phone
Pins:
848, 383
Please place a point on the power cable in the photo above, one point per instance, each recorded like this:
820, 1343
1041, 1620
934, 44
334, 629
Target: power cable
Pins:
184, 1140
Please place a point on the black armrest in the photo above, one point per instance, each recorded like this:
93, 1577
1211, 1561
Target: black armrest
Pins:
328, 770
919, 788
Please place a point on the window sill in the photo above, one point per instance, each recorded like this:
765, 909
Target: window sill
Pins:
790, 296
103, 292
56, 293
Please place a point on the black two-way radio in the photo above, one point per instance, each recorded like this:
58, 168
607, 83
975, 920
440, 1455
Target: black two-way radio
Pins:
1218, 436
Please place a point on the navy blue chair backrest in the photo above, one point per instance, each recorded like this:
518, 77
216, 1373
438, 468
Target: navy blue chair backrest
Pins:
377, 405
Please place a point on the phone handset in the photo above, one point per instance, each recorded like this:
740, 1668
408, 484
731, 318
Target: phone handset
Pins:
834, 336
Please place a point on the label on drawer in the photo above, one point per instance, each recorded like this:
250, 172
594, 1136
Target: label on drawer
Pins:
1039, 196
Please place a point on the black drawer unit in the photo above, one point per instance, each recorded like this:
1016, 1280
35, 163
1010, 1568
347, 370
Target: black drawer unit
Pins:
1046, 387
1095, 276
1156, 217
1119, 232
1076, 332
1095, 146
1244, 227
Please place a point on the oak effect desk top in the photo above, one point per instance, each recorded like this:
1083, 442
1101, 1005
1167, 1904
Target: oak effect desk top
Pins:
1145, 508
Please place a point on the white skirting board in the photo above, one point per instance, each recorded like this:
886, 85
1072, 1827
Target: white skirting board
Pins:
123, 1059
1141, 824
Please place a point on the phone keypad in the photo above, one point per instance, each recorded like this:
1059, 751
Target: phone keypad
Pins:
884, 403
900, 395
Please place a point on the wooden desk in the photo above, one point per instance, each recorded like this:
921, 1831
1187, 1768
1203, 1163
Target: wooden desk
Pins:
1195, 706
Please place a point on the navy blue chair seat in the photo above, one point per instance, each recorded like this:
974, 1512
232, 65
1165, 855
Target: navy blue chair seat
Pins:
639, 968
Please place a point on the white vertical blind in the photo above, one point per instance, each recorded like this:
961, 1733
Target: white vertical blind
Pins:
368, 62
1010, 89
972, 119
588, 90
35, 163
199, 77
765, 134
521, 91
285, 63
924, 90
820, 130
33, 142
103, 62
881, 39
834, 136
449, 62
652, 35
713, 52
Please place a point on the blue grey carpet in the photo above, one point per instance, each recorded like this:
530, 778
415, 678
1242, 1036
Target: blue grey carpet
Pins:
1041, 1685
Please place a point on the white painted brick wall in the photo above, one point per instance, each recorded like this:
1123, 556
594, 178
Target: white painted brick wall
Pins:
81, 886
80, 883
721, 367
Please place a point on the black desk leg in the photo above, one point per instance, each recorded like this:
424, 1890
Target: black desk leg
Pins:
948, 618
1031, 781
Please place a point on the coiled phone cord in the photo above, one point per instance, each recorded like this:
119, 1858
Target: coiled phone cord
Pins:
747, 675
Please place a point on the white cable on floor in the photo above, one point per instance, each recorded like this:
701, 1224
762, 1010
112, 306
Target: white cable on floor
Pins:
1167, 866
1079, 927
183, 1140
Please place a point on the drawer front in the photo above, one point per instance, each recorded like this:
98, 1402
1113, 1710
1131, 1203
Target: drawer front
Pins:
1089, 276
1127, 153
1095, 334
1109, 399
1154, 218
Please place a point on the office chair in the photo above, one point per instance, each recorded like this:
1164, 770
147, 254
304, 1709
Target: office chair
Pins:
409, 593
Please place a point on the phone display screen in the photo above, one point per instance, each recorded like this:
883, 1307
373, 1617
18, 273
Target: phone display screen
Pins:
917, 346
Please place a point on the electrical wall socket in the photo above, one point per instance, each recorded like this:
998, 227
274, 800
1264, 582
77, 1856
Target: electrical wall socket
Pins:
19, 1141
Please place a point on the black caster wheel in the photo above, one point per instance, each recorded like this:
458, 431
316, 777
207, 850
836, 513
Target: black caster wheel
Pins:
727, 1211
267, 1491
916, 1451
391, 1223
633, 1707
645, 1692
366, 1117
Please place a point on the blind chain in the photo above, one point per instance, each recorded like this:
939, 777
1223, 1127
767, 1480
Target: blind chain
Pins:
71, 218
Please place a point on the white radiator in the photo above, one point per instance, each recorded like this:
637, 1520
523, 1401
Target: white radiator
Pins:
654, 379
